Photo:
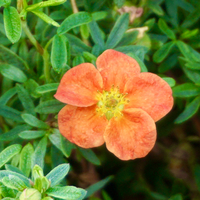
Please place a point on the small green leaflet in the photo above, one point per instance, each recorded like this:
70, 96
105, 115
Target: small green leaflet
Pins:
8, 153
189, 111
45, 17
12, 24
58, 53
74, 20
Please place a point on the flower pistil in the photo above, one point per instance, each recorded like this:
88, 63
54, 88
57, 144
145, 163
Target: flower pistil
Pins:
111, 103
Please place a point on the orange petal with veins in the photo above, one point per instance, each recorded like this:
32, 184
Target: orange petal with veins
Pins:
150, 93
116, 68
79, 86
82, 126
132, 136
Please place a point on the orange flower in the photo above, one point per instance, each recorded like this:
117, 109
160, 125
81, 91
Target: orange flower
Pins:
114, 103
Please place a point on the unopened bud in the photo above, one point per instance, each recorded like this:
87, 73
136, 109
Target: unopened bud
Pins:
37, 172
30, 194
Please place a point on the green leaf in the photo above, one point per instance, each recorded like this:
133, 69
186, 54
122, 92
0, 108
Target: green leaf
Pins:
168, 64
12, 24
13, 134
99, 15
58, 53
6, 173
8, 153
43, 4
9, 57
58, 14
74, 20
193, 65
134, 50
47, 88
61, 142
25, 99
117, 31
189, 111
66, 146
176, 197
56, 139
50, 106
157, 196
186, 90
47, 198
170, 81
13, 169
5, 191
29, 135
191, 19
39, 154
163, 52
97, 186
56, 175
189, 33
26, 159
89, 155
141, 64
128, 38
89, 57
31, 86
15, 160
4, 40
12, 73
75, 41
84, 31
45, 18
96, 34
156, 8
185, 5
23, 50
7, 96
5, 3
14, 182
150, 23
67, 192
193, 75
10, 113
78, 60
188, 52
33, 121
166, 30
119, 3
105, 195
197, 175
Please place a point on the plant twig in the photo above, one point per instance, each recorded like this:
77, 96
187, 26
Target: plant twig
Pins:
31, 38
43, 52
74, 6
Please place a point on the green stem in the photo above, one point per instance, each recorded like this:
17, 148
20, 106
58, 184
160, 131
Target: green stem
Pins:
74, 6
43, 52
48, 43
46, 65
31, 38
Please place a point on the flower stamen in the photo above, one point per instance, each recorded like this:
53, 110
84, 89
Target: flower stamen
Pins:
111, 103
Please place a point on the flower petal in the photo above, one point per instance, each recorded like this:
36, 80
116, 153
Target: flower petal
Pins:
150, 93
79, 85
116, 68
132, 136
82, 126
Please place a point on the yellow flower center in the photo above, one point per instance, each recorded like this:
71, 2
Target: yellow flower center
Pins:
111, 103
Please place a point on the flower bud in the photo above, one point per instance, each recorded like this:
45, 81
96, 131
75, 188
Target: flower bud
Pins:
30, 194
37, 172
